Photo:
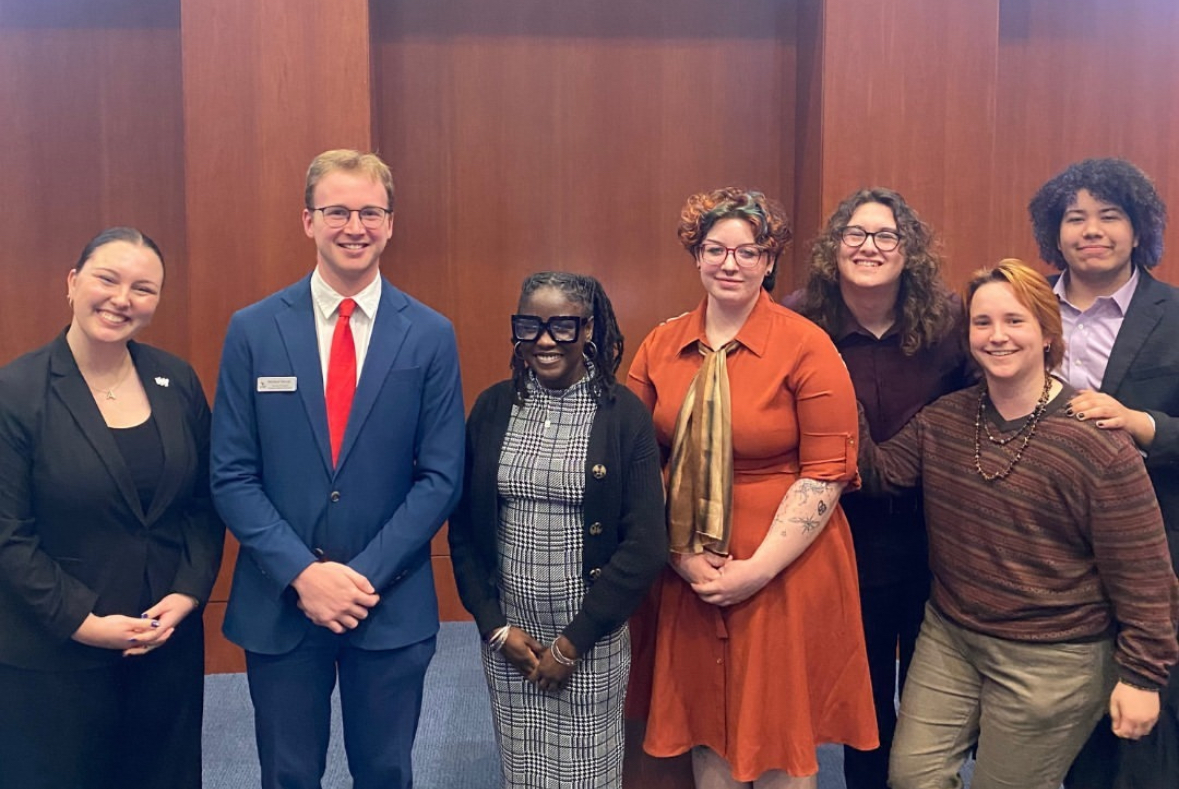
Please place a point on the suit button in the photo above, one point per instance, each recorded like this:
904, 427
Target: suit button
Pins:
319, 553
595, 529
335, 496
599, 471
595, 573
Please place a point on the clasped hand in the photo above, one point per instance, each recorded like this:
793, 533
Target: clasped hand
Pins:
535, 662
720, 580
136, 635
334, 596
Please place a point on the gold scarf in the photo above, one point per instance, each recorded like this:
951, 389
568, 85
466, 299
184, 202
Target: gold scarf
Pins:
700, 483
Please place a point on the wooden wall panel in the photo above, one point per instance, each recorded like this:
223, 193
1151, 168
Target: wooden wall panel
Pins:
92, 137
527, 135
1083, 79
907, 101
268, 84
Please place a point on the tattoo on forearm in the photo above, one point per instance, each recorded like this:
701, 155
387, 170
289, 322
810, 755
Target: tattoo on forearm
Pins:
806, 487
822, 507
809, 524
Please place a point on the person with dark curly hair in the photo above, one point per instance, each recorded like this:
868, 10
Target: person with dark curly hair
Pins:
759, 652
873, 285
1101, 222
558, 535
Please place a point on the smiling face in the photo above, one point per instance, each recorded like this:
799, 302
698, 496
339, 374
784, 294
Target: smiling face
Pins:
1005, 338
866, 268
115, 292
730, 285
348, 256
556, 365
1097, 240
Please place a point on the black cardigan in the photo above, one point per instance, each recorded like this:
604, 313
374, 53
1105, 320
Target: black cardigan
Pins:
625, 535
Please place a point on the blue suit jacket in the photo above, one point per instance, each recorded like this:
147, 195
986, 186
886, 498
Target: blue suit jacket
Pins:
398, 477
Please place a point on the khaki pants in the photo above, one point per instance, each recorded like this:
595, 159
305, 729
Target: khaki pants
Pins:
1028, 707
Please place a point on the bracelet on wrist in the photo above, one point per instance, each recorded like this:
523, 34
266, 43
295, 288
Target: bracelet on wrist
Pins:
559, 656
498, 637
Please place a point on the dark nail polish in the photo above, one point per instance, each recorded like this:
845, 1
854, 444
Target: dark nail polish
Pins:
155, 623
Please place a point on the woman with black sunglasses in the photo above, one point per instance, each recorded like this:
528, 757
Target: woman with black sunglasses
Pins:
559, 533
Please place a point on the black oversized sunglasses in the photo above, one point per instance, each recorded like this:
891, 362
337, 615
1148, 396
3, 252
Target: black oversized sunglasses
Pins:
562, 328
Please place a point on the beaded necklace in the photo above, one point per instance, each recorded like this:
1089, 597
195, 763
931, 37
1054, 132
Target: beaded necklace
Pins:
1027, 430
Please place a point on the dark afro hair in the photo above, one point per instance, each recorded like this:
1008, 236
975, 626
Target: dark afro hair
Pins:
1113, 181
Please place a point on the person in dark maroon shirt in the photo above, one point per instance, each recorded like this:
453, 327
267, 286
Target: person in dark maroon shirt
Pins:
873, 285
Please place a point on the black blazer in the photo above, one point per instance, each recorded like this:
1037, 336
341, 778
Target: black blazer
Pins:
74, 538
625, 535
1143, 374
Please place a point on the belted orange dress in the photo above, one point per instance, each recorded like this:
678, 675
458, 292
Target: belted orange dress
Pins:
764, 681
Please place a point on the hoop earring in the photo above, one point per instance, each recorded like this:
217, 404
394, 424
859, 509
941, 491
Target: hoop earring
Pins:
516, 350
590, 351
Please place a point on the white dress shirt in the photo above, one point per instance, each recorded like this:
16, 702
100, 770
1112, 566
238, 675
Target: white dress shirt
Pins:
327, 306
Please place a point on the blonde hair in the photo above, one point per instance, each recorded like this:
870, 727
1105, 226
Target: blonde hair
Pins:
347, 160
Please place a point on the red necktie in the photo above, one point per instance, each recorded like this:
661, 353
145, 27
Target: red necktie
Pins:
341, 380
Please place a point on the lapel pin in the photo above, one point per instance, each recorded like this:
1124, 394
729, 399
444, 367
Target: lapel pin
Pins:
162, 381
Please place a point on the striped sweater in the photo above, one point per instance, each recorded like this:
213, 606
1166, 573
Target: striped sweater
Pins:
1068, 547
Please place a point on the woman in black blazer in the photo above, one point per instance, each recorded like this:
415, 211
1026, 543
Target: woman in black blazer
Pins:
108, 542
558, 535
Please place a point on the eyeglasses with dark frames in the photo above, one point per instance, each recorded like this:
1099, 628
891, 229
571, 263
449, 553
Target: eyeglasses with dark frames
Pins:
371, 216
715, 253
855, 236
562, 328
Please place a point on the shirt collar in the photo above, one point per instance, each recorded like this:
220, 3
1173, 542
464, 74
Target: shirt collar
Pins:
327, 301
753, 335
1121, 297
852, 326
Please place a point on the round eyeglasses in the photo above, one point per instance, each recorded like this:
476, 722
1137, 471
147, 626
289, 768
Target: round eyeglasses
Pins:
855, 236
746, 255
371, 216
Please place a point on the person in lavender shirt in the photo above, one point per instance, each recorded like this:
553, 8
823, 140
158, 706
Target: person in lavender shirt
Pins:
1101, 222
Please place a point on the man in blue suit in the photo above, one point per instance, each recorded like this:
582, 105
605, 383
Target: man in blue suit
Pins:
337, 454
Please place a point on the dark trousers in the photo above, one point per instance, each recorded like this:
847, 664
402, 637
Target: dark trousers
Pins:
892, 614
1109, 762
135, 722
380, 701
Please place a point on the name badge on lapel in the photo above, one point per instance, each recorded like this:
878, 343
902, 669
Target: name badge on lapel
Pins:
277, 383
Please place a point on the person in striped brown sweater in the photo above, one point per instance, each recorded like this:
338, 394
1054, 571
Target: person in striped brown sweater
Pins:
1053, 597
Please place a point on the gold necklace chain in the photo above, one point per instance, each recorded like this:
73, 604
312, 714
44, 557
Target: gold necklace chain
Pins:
1029, 426
109, 392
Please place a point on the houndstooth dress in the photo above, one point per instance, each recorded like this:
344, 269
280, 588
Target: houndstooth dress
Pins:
574, 737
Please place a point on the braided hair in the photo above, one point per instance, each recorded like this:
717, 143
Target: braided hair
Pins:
606, 337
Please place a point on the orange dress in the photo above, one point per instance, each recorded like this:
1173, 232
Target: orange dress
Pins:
765, 681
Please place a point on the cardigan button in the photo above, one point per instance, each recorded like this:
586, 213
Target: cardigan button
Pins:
595, 573
599, 471
595, 529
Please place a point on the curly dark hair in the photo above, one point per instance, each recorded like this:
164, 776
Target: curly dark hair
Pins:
767, 218
607, 338
1113, 181
926, 313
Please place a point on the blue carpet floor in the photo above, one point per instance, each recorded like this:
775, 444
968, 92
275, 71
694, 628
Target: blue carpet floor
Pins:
455, 748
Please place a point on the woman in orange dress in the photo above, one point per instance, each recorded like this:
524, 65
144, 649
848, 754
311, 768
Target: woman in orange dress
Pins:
759, 653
